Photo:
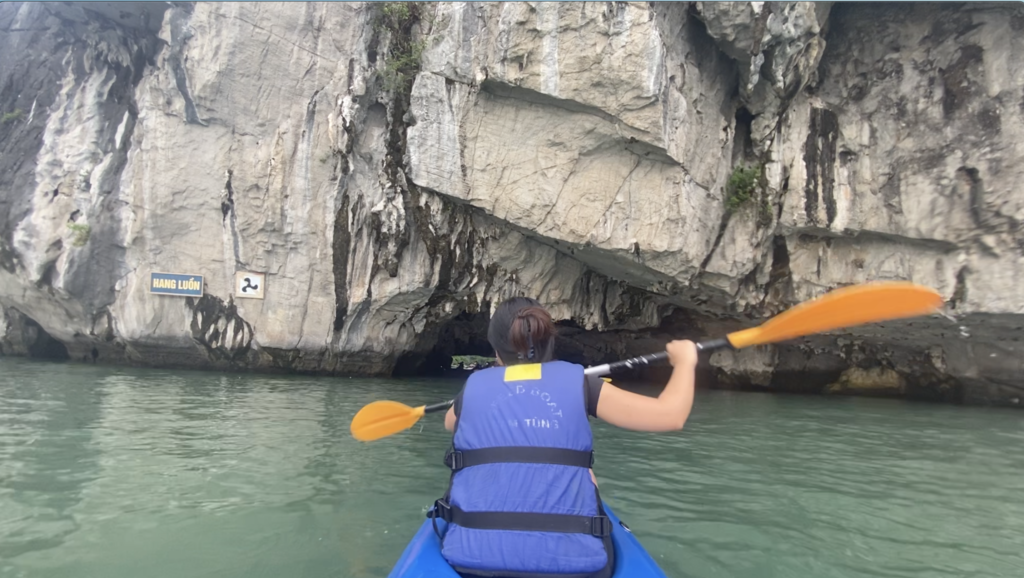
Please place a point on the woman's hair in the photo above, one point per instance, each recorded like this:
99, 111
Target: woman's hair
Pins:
521, 331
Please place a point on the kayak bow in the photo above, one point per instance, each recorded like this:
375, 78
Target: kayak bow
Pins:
422, 557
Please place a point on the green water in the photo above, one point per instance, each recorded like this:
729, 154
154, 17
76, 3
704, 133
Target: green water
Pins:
117, 473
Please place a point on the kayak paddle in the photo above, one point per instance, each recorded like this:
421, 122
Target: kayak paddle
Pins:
844, 307
383, 418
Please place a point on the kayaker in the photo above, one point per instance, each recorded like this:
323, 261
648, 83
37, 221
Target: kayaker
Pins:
522, 500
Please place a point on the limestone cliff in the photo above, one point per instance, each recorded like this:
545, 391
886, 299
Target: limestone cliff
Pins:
647, 170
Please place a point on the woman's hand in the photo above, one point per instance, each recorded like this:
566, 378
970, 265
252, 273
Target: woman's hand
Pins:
682, 353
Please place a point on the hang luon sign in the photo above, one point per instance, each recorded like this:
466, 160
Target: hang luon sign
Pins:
181, 285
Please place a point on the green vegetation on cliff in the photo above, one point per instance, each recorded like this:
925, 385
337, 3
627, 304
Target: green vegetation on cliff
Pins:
471, 361
403, 59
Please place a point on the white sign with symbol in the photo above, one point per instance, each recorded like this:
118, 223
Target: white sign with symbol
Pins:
249, 284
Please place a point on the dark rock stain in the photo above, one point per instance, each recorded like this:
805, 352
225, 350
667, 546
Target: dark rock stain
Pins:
858, 89
180, 35
960, 290
968, 178
1017, 19
219, 329
339, 249
227, 208
957, 81
989, 120
890, 191
228, 204
819, 159
951, 23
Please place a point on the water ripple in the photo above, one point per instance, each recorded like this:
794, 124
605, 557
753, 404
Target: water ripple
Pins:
114, 472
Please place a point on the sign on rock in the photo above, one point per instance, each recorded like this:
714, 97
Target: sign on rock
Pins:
181, 285
249, 285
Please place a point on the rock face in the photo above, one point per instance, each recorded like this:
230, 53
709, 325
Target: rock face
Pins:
395, 170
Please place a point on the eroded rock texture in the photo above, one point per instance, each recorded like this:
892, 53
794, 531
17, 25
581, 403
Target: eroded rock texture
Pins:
398, 170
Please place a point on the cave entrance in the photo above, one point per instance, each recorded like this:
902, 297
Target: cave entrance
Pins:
463, 335
589, 347
466, 335
34, 341
46, 347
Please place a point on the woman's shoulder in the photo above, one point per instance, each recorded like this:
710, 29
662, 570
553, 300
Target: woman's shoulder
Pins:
561, 363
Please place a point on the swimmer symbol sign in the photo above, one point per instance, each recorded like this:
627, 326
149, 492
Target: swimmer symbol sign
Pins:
249, 285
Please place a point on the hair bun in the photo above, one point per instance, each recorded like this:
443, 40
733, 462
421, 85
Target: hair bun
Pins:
522, 329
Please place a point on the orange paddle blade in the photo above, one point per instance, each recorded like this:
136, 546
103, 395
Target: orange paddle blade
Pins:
844, 307
383, 418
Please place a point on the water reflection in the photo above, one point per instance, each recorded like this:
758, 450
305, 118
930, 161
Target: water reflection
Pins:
46, 454
116, 473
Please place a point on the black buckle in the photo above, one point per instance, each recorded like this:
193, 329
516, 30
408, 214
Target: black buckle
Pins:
453, 459
441, 510
600, 526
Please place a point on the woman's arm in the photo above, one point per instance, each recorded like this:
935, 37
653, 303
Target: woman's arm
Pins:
668, 411
449, 419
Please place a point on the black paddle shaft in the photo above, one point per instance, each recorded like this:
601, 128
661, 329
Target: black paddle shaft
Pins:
645, 360
438, 406
634, 362
608, 368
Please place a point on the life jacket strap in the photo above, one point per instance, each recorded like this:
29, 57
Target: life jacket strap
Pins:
459, 459
600, 526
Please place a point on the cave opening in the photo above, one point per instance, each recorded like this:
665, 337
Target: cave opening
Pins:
465, 334
743, 144
41, 345
590, 347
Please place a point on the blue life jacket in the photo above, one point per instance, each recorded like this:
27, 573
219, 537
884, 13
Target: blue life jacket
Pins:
521, 502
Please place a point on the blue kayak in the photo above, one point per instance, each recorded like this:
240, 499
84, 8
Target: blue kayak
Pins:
422, 557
